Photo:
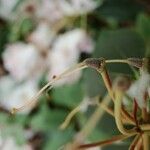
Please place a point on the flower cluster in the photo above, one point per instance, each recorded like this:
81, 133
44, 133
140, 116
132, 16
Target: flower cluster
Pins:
45, 51
51, 45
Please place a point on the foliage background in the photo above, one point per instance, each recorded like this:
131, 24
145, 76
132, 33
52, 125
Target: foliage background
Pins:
120, 29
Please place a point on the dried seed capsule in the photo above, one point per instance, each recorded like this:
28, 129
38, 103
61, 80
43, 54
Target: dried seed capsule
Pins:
96, 63
136, 62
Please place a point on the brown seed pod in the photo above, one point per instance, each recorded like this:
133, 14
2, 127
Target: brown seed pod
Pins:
136, 62
96, 63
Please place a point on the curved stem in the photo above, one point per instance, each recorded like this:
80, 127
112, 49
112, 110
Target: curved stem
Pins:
69, 117
108, 85
117, 111
50, 84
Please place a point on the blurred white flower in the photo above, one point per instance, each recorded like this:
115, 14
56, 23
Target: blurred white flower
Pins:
13, 94
10, 144
42, 36
58, 63
66, 52
139, 88
28, 7
77, 7
50, 10
54, 10
23, 61
6, 9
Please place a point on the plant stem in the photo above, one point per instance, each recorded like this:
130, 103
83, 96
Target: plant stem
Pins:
117, 61
134, 143
146, 143
96, 116
104, 143
117, 108
108, 85
139, 144
69, 117
107, 109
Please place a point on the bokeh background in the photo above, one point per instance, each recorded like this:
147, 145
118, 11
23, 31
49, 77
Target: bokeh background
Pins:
42, 38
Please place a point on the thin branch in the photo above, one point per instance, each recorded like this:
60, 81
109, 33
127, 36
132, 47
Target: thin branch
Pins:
107, 109
108, 85
104, 143
146, 145
139, 144
49, 85
118, 104
134, 143
69, 117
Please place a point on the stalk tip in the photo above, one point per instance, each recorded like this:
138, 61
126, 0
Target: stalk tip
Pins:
96, 63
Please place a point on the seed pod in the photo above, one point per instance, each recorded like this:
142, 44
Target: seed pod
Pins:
136, 62
96, 63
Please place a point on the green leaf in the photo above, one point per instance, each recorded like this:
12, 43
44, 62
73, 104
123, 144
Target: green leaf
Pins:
143, 25
58, 139
4, 118
47, 119
121, 10
26, 27
68, 95
120, 43
20, 29
12, 127
116, 147
98, 134
21, 119
94, 84
15, 131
